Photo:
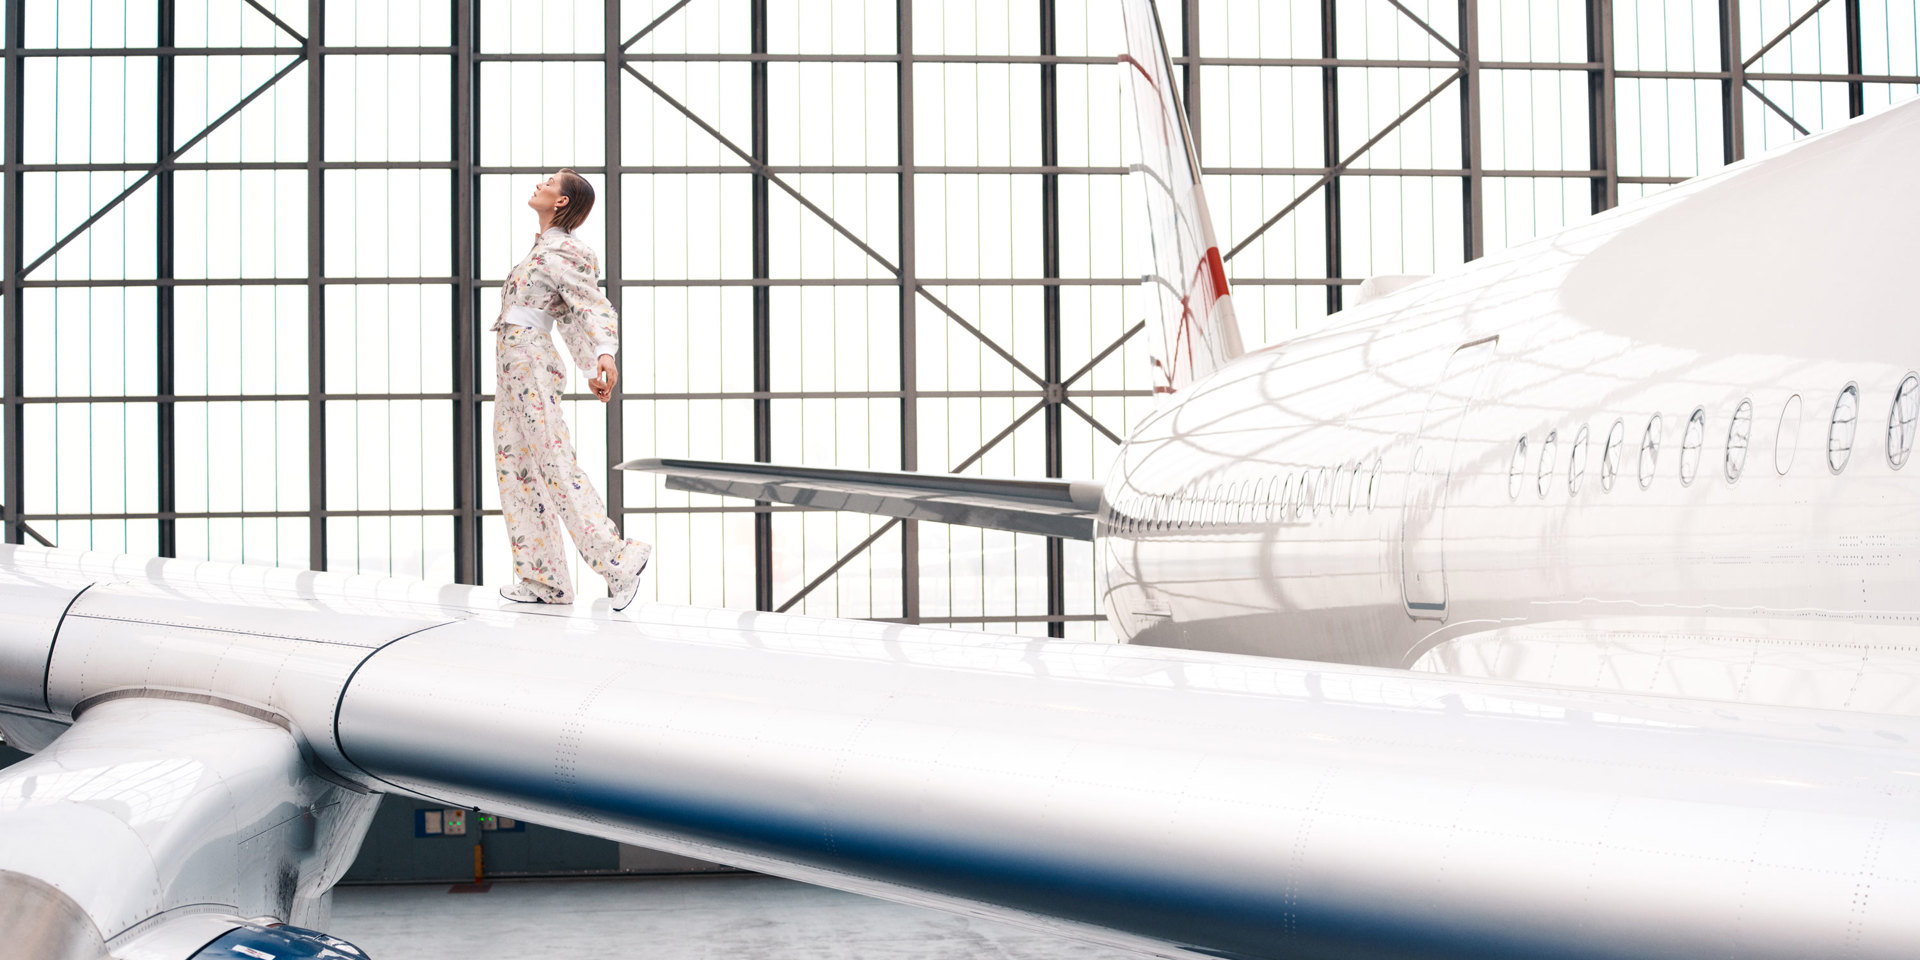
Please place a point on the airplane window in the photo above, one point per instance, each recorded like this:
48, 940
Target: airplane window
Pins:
1649, 451
1739, 435
1577, 461
1514, 468
1787, 442
1846, 419
1373, 483
1546, 461
1900, 421
1691, 441
1610, 454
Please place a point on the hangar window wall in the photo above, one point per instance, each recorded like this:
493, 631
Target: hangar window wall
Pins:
251, 247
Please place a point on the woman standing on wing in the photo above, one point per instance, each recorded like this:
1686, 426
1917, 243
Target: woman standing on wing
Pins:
541, 486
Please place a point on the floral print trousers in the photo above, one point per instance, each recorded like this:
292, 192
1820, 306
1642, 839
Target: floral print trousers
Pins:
541, 485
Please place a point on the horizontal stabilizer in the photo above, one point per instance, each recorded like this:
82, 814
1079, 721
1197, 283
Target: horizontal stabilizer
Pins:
1054, 508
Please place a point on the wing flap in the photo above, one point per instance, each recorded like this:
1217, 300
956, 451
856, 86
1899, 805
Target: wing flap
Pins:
1054, 508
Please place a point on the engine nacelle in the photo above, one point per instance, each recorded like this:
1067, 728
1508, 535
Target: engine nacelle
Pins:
154, 816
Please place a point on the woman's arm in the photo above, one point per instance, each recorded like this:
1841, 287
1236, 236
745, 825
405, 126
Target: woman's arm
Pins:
590, 327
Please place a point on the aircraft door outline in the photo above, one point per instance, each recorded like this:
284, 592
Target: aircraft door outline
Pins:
1423, 575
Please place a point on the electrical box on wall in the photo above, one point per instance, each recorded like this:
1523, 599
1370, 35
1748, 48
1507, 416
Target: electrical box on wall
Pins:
453, 823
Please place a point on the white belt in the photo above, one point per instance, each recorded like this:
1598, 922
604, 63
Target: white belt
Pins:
523, 316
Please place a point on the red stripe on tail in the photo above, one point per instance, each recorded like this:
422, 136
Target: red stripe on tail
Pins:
1219, 271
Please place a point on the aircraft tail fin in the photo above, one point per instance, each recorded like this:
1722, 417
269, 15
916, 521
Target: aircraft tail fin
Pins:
1195, 327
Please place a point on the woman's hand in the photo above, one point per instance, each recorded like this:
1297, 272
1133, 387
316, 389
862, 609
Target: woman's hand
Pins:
609, 376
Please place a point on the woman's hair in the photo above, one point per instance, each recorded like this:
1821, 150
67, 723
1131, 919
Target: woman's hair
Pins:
579, 194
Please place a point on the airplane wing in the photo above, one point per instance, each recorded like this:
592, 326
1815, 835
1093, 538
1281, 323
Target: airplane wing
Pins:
1182, 803
1055, 508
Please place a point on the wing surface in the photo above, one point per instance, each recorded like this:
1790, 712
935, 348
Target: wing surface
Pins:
1055, 508
1179, 802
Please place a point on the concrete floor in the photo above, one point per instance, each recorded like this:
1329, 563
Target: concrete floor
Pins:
737, 917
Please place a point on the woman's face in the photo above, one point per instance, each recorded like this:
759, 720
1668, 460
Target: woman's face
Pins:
547, 197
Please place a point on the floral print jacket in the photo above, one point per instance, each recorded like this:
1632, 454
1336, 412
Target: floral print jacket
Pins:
559, 281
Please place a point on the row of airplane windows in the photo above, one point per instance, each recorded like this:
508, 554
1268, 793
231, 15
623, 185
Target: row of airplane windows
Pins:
1354, 486
1841, 428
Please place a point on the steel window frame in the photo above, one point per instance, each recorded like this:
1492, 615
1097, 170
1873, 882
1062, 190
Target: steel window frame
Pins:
1047, 393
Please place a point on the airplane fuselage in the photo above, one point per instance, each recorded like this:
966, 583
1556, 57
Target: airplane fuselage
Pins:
1661, 452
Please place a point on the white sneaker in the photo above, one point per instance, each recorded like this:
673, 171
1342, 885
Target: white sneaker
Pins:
626, 586
520, 592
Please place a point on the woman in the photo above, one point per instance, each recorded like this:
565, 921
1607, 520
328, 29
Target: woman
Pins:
541, 487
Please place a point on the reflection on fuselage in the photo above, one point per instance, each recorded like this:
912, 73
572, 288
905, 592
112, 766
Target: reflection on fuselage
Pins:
1641, 455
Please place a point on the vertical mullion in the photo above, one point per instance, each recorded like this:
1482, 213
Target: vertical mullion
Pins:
1050, 300
316, 294
467, 443
166, 494
909, 301
1190, 75
1602, 119
762, 315
616, 430
1856, 91
1733, 122
13, 317
1474, 183
1330, 141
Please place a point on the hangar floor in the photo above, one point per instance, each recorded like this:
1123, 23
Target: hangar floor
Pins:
737, 916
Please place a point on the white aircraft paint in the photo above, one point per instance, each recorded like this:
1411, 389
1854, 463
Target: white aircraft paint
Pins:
1662, 703
1607, 459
